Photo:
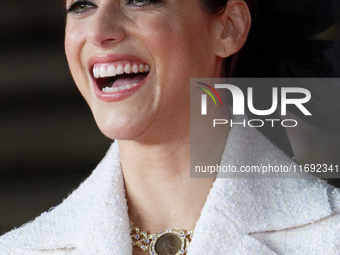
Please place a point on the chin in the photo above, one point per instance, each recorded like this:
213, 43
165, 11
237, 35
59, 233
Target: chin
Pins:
117, 133
121, 128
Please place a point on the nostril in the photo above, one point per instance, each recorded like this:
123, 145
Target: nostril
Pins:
106, 39
109, 42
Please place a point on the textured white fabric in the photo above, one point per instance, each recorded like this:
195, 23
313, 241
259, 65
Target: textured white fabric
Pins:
241, 216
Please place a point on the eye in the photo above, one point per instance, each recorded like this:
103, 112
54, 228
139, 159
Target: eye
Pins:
142, 3
80, 7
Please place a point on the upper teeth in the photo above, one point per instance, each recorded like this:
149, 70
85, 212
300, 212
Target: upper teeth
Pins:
110, 70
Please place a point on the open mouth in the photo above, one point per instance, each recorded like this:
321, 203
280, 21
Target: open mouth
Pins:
112, 78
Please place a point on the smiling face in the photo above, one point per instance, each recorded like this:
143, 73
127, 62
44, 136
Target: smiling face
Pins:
132, 61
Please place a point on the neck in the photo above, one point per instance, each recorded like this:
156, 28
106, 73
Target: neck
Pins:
160, 192
159, 186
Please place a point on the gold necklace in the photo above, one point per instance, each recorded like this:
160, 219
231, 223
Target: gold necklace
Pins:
170, 241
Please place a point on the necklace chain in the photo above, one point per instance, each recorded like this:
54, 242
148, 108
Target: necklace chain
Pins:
174, 239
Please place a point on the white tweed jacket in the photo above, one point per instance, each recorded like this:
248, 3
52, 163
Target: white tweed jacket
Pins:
242, 216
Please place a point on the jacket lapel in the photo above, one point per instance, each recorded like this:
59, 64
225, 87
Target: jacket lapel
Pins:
105, 221
217, 232
92, 220
236, 208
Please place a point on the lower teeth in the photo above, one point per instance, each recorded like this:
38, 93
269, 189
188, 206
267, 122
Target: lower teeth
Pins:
115, 89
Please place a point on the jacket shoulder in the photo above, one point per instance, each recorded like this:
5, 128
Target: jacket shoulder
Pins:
319, 237
18, 241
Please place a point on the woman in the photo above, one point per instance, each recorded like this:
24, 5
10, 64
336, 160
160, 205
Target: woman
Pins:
132, 61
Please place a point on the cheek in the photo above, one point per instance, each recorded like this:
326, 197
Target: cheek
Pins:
177, 43
163, 37
156, 33
75, 38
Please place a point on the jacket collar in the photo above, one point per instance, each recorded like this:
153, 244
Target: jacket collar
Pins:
94, 219
241, 206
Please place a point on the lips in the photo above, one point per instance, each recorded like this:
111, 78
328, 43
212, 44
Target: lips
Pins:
117, 77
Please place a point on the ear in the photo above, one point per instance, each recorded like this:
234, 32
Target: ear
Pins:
232, 28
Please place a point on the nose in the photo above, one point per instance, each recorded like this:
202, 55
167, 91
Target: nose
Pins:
106, 27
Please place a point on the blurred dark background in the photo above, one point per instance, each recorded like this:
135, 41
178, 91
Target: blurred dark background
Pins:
49, 141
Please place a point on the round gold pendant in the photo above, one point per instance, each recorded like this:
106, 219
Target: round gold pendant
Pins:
168, 242
171, 241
